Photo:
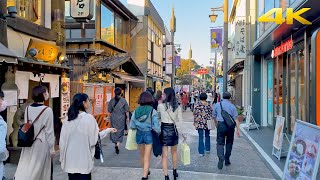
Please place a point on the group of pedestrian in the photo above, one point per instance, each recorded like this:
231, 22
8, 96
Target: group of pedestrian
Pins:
158, 112
162, 119
204, 113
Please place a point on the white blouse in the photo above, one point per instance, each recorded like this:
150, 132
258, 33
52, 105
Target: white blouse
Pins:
167, 115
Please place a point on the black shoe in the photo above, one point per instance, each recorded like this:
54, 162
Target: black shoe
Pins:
166, 178
227, 162
175, 173
220, 164
144, 178
149, 173
117, 149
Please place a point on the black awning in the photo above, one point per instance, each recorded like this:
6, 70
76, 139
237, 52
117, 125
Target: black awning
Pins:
127, 64
236, 67
7, 56
127, 77
41, 63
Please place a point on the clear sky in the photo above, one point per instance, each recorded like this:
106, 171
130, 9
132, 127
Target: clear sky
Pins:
193, 24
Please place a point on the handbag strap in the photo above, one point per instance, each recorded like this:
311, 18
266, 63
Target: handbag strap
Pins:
174, 122
221, 106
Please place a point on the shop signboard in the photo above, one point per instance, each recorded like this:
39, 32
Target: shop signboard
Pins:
65, 98
303, 156
202, 71
44, 51
240, 38
82, 9
284, 47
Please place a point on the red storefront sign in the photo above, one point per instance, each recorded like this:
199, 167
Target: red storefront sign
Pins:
202, 71
284, 47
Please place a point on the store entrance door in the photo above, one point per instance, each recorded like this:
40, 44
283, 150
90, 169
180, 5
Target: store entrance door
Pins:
270, 93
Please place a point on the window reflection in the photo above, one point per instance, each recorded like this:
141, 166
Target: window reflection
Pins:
31, 10
107, 24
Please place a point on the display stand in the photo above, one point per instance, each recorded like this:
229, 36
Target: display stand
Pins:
250, 121
279, 153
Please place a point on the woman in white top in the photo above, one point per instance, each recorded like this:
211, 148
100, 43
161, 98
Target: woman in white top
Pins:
35, 161
4, 154
79, 135
169, 113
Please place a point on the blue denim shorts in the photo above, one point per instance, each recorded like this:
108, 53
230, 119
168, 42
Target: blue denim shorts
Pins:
144, 137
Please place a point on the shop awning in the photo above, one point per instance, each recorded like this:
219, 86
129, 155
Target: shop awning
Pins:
127, 77
40, 63
236, 67
113, 62
7, 56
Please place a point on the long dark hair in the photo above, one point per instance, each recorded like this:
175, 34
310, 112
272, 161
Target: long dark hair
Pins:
170, 98
77, 105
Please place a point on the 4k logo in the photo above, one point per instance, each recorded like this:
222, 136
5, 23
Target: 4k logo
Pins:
289, 18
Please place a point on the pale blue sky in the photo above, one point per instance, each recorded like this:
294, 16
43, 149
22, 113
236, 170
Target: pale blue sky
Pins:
193, 24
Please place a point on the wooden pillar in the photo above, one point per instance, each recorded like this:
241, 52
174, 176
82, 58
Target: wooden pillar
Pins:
3, 23
58, 10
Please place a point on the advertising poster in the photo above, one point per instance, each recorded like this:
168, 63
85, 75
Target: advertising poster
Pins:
216, 38
270, 92
278, 133
303, 156
169, 54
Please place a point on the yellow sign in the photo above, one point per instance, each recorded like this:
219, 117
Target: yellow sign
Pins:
278, 19
45, 51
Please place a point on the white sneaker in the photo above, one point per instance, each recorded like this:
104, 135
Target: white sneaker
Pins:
201, 155
207, 152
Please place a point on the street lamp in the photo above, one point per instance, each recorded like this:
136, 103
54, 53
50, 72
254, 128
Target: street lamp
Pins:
213, 18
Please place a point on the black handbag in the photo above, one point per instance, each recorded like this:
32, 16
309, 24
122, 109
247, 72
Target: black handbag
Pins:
98, 154
156, 145
228, 119
26, 131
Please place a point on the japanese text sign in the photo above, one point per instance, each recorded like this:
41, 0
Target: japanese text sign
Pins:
45, 51
202, 71
81, 9
240, 38
284, 47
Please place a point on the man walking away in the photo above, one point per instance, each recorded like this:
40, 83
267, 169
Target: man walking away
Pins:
225, 134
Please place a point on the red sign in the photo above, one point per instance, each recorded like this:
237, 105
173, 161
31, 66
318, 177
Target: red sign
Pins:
284, 47
202, 71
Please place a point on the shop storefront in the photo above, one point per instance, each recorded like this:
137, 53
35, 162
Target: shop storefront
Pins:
283, 70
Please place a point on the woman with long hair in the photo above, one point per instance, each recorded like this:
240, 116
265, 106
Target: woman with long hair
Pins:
119, 109
35, 161
79, 135
169, 113
144, 119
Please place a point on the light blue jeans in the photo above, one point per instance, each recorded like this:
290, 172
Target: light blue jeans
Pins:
204, 145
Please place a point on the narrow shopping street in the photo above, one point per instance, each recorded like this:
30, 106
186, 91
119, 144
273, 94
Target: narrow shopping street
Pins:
246, 164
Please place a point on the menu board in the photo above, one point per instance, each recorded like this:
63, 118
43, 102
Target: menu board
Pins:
303, 156
278, 133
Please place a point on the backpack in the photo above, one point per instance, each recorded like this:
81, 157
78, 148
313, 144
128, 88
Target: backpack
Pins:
26, 131
228, 119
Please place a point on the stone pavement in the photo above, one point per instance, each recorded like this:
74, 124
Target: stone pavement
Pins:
246, 163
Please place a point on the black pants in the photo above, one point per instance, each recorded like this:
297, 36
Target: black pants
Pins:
225, 136
77, 176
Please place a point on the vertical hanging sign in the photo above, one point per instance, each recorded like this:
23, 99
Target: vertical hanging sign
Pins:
81, 9
240, 38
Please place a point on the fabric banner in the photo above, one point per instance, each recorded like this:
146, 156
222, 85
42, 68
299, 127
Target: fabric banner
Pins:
177, 61
216, 38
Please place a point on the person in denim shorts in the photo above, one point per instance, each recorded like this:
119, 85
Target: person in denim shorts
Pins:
145, 118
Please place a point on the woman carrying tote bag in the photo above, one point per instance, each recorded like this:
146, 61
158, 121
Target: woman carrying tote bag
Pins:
169, 113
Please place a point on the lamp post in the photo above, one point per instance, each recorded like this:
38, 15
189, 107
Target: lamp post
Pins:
213, 18
173, 30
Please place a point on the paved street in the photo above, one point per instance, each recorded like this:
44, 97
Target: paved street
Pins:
246, 164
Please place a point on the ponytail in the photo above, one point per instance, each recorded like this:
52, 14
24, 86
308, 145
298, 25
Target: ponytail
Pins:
77, 106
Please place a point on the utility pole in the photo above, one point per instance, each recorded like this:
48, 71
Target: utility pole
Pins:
225, 45
173, 30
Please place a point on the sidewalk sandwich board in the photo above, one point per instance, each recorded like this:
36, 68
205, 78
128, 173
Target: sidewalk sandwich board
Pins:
303, 156
250, 121
277, 149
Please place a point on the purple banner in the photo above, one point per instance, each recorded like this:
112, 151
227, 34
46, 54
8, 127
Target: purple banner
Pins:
177, 61
216, 38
